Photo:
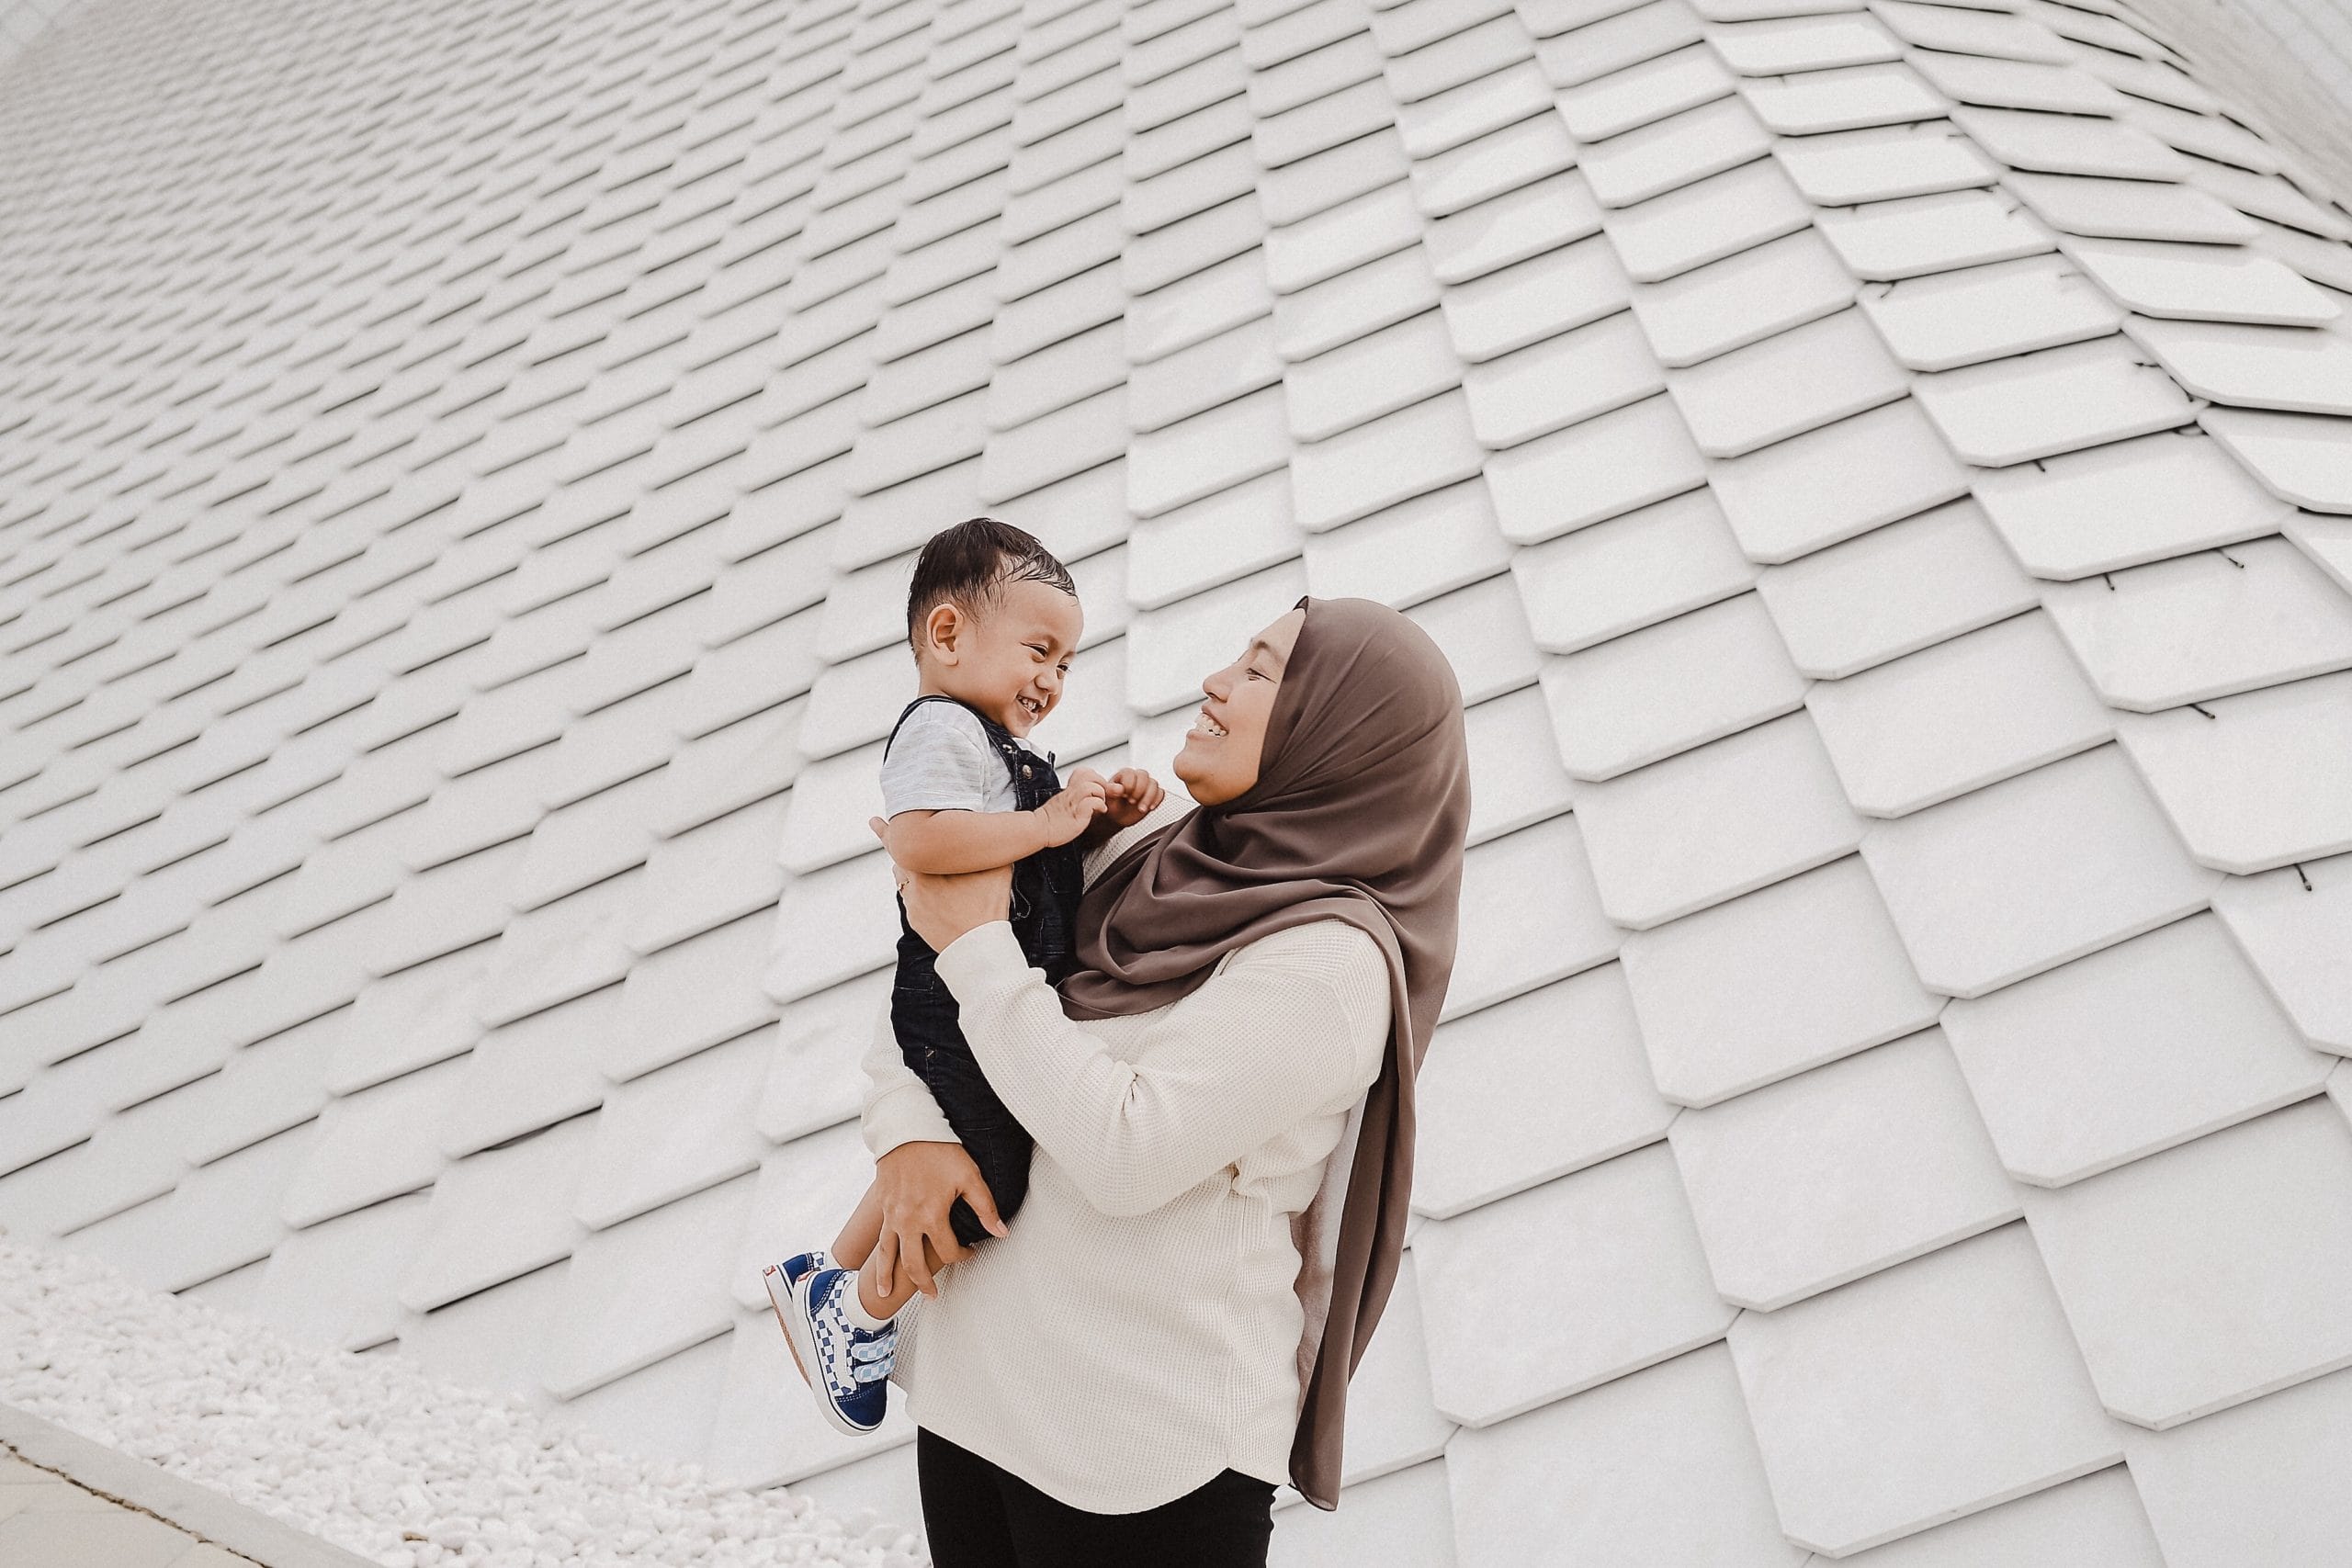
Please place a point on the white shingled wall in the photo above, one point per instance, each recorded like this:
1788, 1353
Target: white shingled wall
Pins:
1881, 471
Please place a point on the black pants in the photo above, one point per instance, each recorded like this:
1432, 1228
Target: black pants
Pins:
980, 1514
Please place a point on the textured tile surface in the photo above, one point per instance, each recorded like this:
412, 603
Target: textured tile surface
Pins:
1881, 474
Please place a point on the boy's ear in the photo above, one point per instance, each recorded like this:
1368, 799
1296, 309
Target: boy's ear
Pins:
943, 630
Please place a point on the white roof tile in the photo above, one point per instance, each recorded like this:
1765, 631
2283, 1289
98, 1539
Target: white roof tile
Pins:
2125, 503
1342, 235
1376, 374
1605, 466
1490, 165
1198, 307
1847, 97
1910, 236
644, 1290
1214, 370
1999, 34
1384, 461
1714, 308
1403, 1517
2070, 144
1894, 590
1483, 633
832, 925
324, 1286
2202, 1277
1812, 42
1515, 772
2205, 625
1890, 461
1705, 220
2201, 282
1991, 311
691, 995
2135, 1048
2129, 209
1639, 94
1624, 1286
2293, 923
1629, 571
2053, 401
1414, 550
1527, 899
2259, 781
1952, 717
2277, 1460
221, 1216
1658, 1466
1514, 1095
1169, 649
1806, 1184
2305, 459
673, 1132
2296, 368
1211, 541
2052, 87
1206, 453
1802, 972
2022, 876
1361, 299
1751, 809
1794, 382
1560, 380
1663, 690
816, 1077
1920, 1394
1511, 226
373, 1144
1670, 152
1600, 44
1535, 298
1444, 120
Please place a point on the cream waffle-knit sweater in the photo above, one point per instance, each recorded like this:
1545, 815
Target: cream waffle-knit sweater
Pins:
1138, 1329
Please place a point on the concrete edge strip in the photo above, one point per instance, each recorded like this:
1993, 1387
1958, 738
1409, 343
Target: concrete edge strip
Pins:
200, 1511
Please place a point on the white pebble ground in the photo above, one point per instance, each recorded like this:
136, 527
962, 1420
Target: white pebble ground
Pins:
367, 1451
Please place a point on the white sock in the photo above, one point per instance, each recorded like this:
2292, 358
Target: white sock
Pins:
854, 1308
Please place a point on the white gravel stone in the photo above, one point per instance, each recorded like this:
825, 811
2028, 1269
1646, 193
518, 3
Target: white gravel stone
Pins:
367, 1451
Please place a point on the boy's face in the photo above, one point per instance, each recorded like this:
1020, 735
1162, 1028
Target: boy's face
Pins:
1010, 662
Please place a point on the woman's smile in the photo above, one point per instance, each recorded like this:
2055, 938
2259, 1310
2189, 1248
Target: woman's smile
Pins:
1207, 726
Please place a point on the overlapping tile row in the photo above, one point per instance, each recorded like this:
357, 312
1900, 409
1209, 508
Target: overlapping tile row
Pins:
1882, 475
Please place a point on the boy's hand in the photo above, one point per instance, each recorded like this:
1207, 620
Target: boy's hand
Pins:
1066, 815
1132, 795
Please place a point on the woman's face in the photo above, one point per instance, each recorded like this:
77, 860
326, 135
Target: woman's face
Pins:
1221, 751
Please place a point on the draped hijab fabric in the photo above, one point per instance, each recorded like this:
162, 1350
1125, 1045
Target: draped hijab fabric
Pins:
1361, 807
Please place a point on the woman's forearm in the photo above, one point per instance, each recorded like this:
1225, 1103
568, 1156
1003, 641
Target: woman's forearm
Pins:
898, 1106
1246, 1055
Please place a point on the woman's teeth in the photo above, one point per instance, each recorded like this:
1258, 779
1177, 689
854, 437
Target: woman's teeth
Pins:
1209, 726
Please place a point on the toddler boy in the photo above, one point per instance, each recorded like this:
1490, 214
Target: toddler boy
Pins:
993, 618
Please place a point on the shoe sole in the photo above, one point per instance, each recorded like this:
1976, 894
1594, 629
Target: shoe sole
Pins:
804, 1356
772, 1278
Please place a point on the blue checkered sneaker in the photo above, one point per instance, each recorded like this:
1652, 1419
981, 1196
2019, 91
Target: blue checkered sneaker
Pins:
845, 1365
779, 1278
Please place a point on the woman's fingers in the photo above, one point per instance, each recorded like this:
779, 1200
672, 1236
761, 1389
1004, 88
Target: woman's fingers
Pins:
885, 1252
975, 1192
881, 828
919, 1273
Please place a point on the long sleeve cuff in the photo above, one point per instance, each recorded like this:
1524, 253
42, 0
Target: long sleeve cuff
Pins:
982, 959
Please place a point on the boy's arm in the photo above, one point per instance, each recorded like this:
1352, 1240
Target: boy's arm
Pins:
941, 843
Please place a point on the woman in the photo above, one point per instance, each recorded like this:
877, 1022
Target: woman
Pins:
1222, 1102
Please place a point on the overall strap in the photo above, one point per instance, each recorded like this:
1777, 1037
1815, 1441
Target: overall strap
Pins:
926, 697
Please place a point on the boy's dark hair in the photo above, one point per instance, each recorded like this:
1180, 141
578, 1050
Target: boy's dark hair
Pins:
970, 563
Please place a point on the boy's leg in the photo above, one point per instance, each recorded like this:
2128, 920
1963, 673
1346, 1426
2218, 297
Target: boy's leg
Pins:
863, 1229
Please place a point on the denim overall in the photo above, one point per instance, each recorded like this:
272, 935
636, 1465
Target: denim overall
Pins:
1045, 888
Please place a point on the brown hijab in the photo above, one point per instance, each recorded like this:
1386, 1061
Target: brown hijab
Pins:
1359, 813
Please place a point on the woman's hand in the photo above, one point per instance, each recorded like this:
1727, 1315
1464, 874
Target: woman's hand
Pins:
919, 1183
941, 908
